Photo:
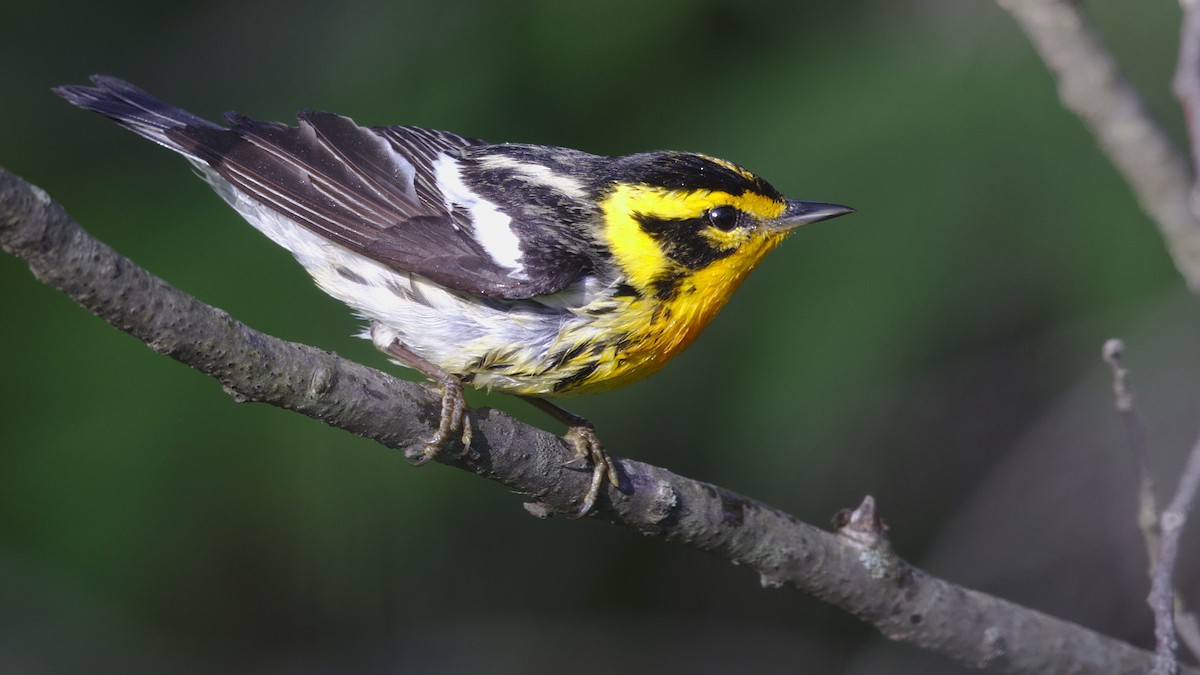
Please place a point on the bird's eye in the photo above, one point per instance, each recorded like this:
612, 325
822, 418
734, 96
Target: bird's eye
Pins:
723, 218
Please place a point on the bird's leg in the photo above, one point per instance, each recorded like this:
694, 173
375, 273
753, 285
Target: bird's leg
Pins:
588, 450
454, 406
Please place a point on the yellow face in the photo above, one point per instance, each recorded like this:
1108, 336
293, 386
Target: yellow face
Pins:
683, 253
662, 237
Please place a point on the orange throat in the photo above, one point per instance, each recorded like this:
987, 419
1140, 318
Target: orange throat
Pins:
658, 330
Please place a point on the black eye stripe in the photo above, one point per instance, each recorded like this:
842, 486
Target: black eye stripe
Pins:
682, 240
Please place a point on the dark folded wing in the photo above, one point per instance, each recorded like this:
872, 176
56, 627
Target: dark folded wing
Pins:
371, 190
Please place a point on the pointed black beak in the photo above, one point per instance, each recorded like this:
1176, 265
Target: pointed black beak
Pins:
802, 213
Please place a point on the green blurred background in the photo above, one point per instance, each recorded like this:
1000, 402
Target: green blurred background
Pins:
938, 350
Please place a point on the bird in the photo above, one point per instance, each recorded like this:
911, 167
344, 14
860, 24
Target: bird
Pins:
531, 270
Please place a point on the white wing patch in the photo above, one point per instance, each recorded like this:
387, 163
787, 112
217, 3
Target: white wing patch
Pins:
539, 174
493, 229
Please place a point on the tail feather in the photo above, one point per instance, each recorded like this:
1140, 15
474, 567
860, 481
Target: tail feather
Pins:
134, 109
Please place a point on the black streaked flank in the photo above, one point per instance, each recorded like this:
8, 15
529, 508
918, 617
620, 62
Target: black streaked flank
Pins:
566, 356
577, 377
624, 290
661, 313
622, 344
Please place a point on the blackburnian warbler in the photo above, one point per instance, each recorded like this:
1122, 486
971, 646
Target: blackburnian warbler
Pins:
532, 270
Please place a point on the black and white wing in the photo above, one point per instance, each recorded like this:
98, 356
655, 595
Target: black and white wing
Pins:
395, 195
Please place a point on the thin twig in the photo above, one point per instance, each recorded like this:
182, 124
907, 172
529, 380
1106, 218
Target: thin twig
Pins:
900, 600
1162, 586
1147, 517
1091, 85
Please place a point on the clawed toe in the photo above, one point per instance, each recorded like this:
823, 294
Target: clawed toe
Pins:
588, 450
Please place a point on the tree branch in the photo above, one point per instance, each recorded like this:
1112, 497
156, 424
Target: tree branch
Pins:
855, 570
1091, 85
